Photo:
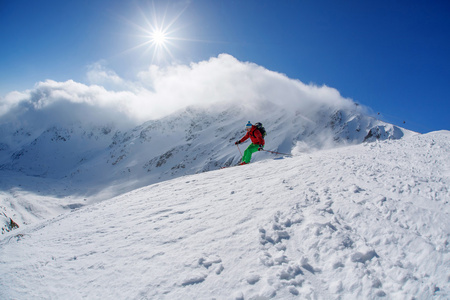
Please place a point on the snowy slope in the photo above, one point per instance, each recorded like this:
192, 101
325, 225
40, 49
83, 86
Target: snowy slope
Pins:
365, 221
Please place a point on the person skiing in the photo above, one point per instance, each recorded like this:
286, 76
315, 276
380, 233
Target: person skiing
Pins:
257, 142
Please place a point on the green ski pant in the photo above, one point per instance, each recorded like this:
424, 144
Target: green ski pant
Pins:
252, 148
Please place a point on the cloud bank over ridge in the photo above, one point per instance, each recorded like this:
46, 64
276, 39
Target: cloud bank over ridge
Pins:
160, 91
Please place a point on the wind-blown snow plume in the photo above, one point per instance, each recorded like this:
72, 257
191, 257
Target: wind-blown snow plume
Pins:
158, 92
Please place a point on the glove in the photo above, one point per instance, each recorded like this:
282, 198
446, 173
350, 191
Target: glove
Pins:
261, 147
237, 142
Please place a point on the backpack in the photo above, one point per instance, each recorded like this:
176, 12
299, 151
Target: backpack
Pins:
261, 129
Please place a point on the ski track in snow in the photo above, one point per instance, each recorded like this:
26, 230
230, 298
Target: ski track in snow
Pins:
362, 222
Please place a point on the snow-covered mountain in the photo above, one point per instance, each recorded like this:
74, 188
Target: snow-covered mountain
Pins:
203, 138
365, 221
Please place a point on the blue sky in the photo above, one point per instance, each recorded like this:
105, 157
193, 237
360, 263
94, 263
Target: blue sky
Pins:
392, 56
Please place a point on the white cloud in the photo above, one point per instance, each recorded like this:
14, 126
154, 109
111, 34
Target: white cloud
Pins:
98, 74
160, 91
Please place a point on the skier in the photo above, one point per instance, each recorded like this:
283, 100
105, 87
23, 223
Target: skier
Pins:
257, 142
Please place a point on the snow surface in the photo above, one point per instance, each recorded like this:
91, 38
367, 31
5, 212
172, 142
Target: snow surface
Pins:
365, 221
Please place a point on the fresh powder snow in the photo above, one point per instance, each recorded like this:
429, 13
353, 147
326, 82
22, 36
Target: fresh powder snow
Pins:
367, 221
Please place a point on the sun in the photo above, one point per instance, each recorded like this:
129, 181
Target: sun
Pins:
160, 42
158, 33
158, 38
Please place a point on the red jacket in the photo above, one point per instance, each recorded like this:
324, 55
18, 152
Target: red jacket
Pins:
255, 135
